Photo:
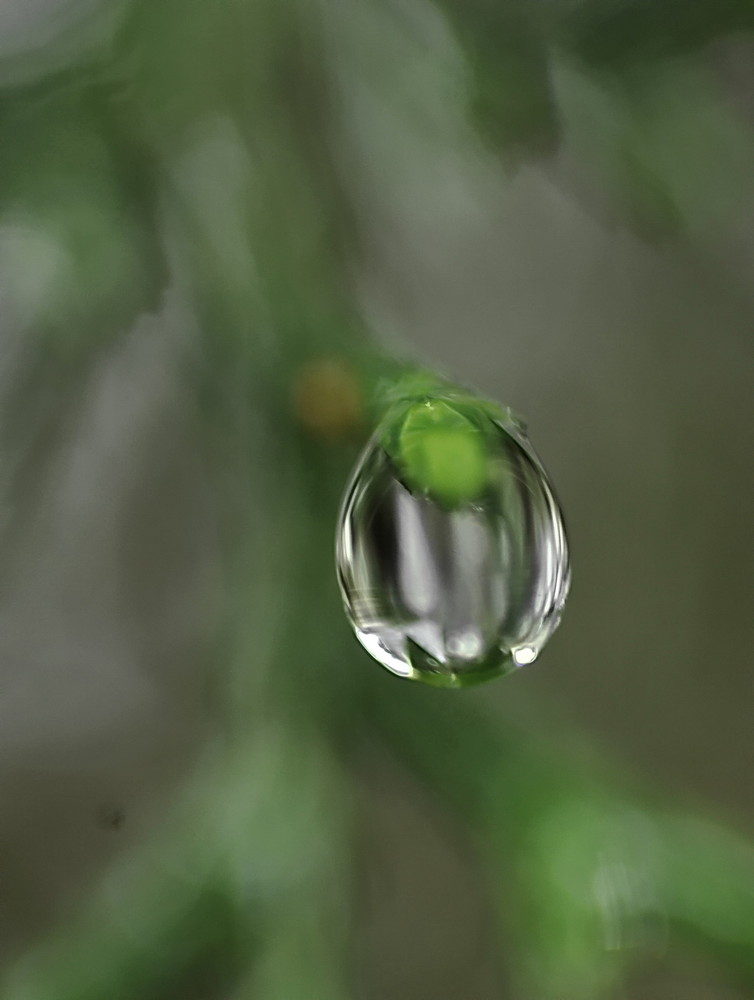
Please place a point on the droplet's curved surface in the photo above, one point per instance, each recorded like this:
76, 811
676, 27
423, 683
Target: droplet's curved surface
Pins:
451, 551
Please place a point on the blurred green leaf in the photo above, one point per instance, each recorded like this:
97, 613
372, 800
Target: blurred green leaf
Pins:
510, 94
596, 875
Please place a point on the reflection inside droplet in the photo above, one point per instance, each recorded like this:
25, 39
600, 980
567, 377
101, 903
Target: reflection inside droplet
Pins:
445, 588
465, 645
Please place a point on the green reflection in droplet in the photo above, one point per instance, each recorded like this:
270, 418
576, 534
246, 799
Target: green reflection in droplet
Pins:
443, 453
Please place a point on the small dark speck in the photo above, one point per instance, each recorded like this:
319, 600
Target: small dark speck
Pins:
110, 817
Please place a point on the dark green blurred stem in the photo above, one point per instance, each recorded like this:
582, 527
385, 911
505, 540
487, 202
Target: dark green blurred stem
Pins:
510, 95
614, 33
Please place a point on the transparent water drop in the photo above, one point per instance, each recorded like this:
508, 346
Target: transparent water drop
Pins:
451, 552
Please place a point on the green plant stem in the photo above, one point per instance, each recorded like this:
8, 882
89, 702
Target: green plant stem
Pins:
552, 824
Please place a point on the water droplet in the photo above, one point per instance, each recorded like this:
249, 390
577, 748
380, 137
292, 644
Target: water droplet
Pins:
451, 552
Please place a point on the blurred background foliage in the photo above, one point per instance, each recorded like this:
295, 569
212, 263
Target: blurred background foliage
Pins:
224, 228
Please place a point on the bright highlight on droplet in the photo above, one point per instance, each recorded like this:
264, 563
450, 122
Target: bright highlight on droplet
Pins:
524, 655
375, 646
451, 571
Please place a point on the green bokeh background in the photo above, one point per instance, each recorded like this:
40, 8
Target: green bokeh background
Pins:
208, 789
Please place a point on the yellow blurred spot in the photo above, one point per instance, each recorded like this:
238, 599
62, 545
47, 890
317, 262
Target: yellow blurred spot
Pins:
327, 398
